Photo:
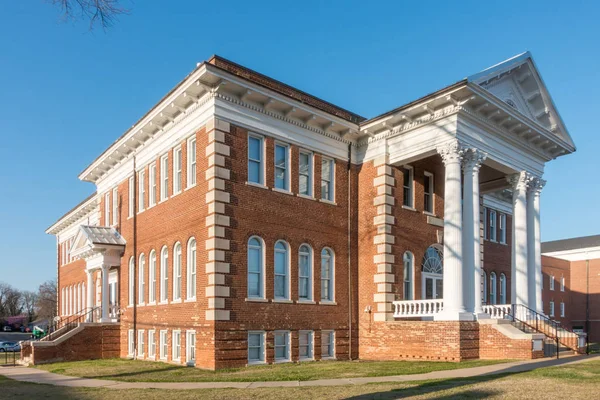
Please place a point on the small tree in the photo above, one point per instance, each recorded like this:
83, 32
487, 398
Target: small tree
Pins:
46, 300
29, 300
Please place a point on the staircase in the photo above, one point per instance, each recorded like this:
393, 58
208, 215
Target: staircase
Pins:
66, 325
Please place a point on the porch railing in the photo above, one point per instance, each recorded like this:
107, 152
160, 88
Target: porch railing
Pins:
65, 325
497, 311
417, 308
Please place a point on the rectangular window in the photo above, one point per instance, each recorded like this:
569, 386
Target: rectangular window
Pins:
305, 174
151, 344
140, 344
304, 273
562, 283
115, 207
327, 179
164, 177
305, 345
176, 346
177, 165
562, 309
152, 185
327, 344
162, 345
130, 343
282, 170
492, 225
191, 162
142, 190
190, 348
486, 235
107, 209
551, 282
255, 160
428, 192
282, 346
502, 228
256, 347
130, 202
551, 311
408, 187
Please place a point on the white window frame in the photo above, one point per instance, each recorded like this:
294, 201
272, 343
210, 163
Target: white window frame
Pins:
261, 161
141, 280
408, 191
486, 235
152, 185
140, 343
176, 345
502, 288
551, 310
562, 283
551, 282
130, 343
286, 167
164, 275
493, 292
286, 275
261, 273
330, 180
562, 309
191, 162
330, 335
131, 205
309, 175
177, 170
286, 346
164, 177
177, 272
431, 192
261, 347
502, 228
152, 343
310, 345
131, 283
485, 288
191, 269
163, 344
493, 232
190, 343
331, 295
115, 206
309, 277
107, 209
142, 191
408, 260
152, 266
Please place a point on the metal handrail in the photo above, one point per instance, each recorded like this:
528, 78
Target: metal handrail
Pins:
66, 325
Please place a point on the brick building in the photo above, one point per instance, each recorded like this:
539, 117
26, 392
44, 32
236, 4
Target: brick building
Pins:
242, 221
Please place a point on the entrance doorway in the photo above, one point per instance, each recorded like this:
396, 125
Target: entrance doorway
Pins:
432, 270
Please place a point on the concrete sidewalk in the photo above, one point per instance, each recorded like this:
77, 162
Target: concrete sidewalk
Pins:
34, 375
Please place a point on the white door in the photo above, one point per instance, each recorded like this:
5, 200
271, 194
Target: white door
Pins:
113, 294
433, 286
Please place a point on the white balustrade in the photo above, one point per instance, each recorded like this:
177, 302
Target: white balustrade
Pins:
498, 311
417, 308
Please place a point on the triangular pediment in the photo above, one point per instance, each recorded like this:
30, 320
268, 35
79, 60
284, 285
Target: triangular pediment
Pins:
519, 84
94, 238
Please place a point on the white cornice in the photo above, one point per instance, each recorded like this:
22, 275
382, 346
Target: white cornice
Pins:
589, 253
74, 215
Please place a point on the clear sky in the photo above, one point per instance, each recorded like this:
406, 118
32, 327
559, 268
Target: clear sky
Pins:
66, 94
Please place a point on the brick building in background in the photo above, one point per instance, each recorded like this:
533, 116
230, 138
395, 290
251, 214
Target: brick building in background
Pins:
242, 221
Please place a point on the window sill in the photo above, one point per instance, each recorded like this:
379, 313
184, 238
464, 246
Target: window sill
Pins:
333, 203
257, 363
306, 196
190, 300
175, 194
141, 211
190, 187
163, 200
328, 358
149, 207
278, 190
164, 302
141, 304
257, 300
151, 303
430, 214
282, 361
305, 302
176, 301
306, 359
258, 185
327, 303
409, 208
283, 301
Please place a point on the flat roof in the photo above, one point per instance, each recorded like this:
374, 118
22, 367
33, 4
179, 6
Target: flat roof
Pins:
571, 244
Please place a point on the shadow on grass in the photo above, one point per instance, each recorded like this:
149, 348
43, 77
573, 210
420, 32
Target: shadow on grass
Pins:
134, 373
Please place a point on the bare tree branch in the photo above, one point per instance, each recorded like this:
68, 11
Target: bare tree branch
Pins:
103, 12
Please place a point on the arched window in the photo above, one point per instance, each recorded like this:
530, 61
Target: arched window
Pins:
70, 303
432, 273
255, 268
177, 271
408, 275
62, 302
131, 280
282, 270
78, 298
493, 288
141, 279
164, 274
305, 271
433, 260
152, 277
502, 289
191, 269
83, 298
484, 293
327, 274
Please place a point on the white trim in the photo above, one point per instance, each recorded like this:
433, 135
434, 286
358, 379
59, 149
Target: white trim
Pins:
163, 344
115, 206
411, 187
177, 169
331, 343
176, 345
432, 192
164, 177
189, 344
589, 253
260, 161
332, 277
152, 344
164, 276
287, 168
311, 178
311, 274
262, 277
177, 259
188, 270
262, 348
130, 343
152, 187
332, 178
287, 276
189, 174
141, 344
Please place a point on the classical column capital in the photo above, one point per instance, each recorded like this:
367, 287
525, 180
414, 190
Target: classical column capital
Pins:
473, 159
451, 152
520, 180
536, 185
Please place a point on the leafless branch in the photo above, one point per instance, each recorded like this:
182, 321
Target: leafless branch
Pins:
103, 12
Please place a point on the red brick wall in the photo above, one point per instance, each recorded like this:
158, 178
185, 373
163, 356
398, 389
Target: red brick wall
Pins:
497, 258
493, 345
578, 285
554, 267
71, 275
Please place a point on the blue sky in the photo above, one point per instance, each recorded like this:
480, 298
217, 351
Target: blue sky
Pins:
67, 93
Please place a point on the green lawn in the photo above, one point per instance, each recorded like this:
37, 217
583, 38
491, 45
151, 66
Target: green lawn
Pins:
571, 381
147, 371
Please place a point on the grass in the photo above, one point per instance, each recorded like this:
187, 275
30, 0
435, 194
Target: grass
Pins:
569, 381
147, 371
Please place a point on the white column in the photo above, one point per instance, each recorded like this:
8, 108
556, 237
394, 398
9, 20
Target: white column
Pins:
105, 299
519, 276
454, 299
534, 250
471, 231
90, 294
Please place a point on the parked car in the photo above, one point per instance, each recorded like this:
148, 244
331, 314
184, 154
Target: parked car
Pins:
9, 346
7, 328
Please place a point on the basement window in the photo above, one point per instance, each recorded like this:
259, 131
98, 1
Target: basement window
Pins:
256, 347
